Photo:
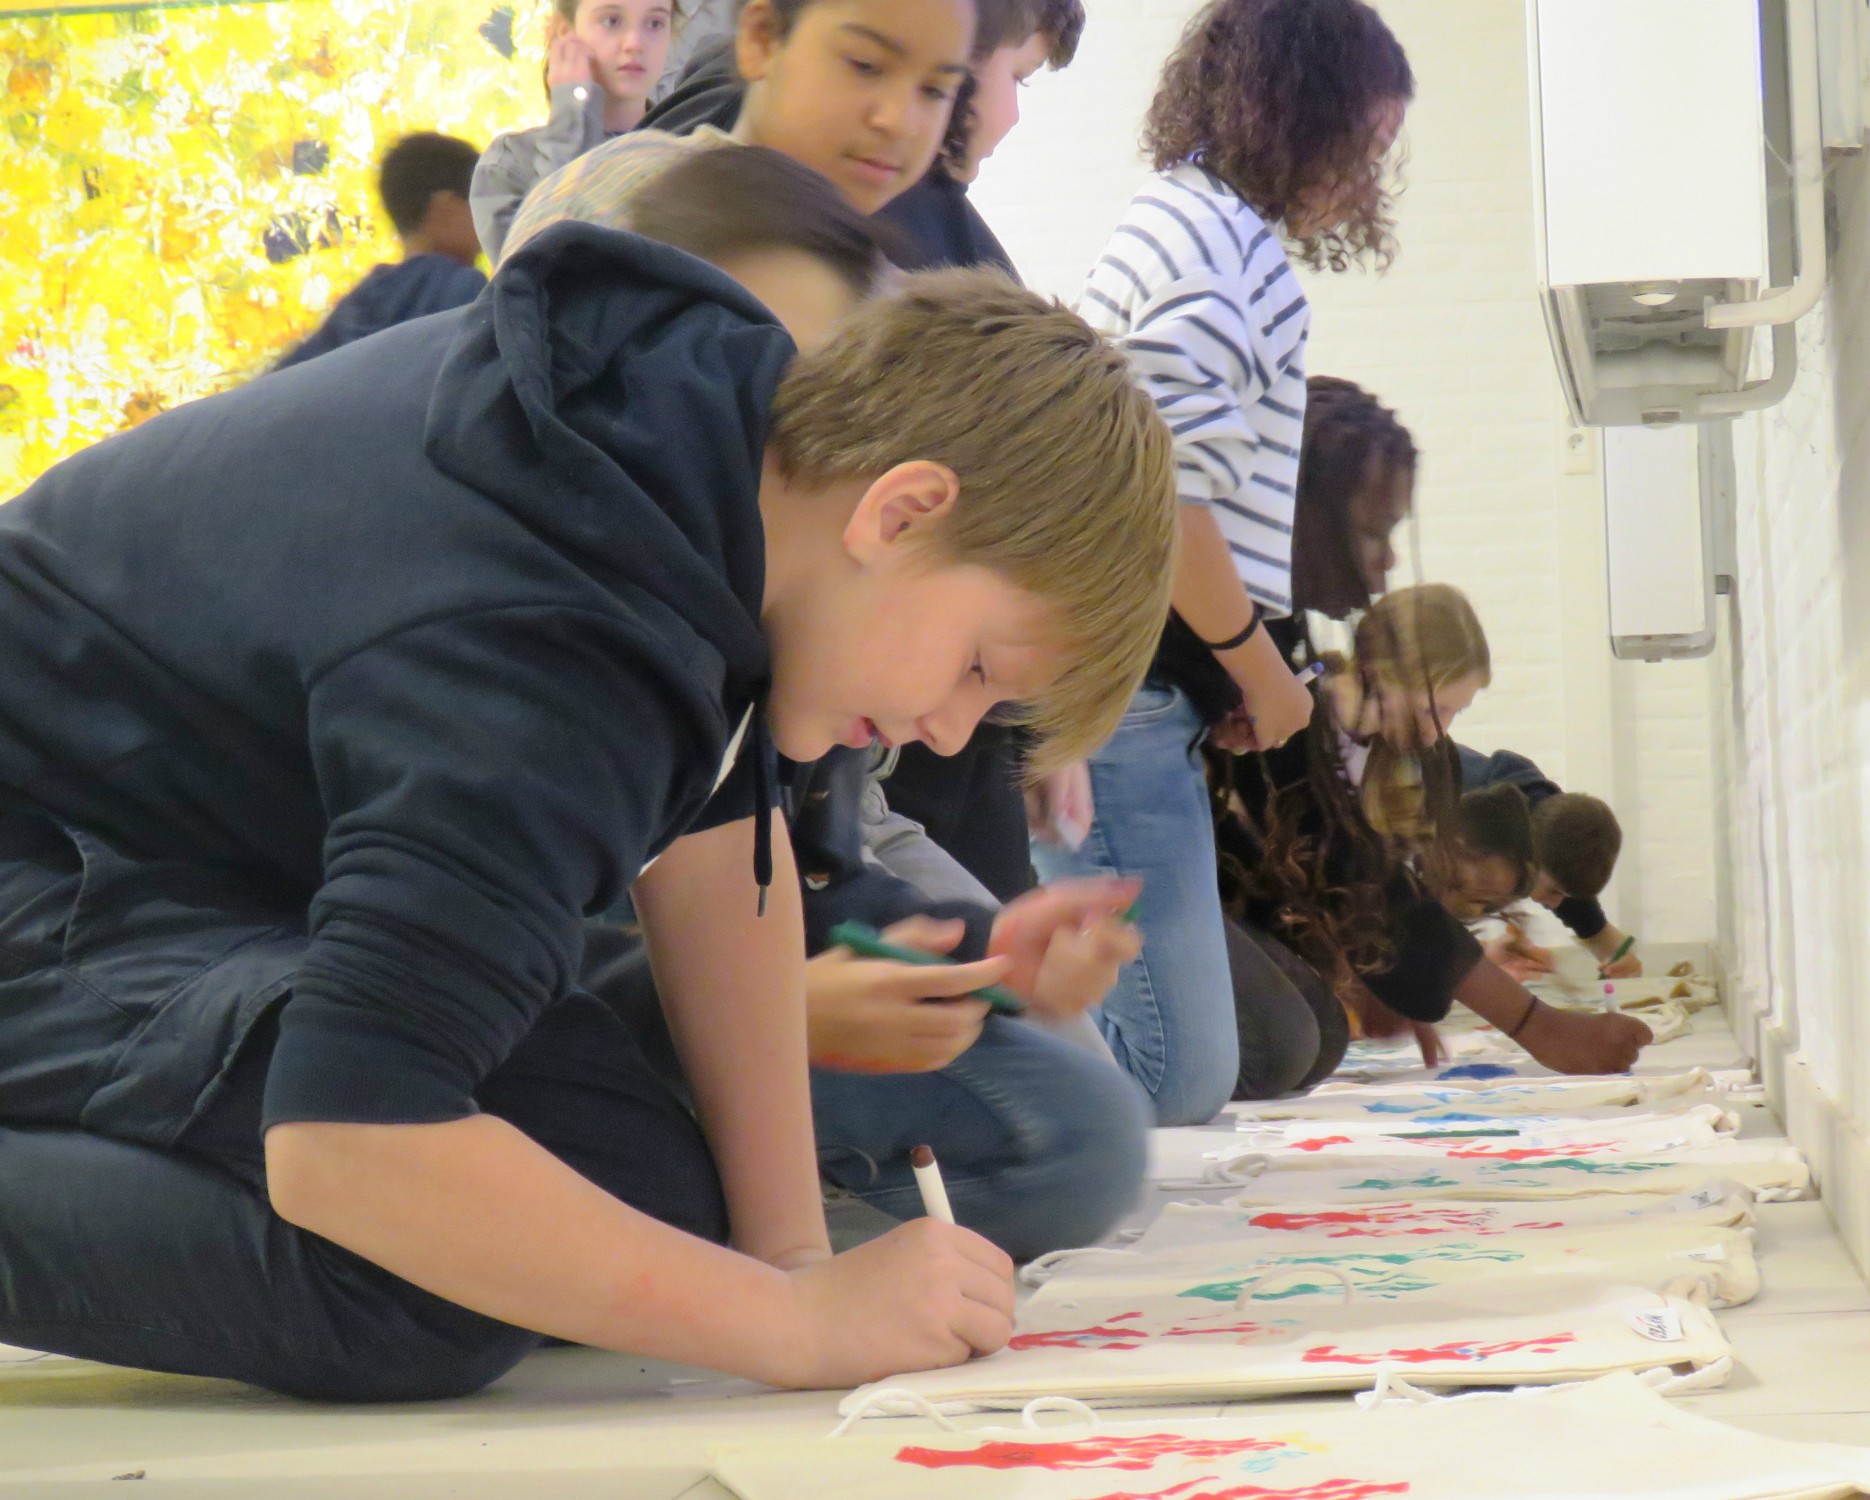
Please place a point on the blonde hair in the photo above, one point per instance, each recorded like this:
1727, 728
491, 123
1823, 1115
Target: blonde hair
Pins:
1067, 472
1424, 637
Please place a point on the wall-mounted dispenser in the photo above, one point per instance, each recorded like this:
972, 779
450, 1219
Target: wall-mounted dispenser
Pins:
1678, 152
1668, 511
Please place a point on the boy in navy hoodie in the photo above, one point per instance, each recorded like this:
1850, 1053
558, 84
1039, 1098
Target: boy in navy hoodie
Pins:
423, 180
339, 701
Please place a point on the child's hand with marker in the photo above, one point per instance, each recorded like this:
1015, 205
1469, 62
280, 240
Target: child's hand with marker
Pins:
1055, 951
926, 1295
1519, 955
1066, 942
872, 1015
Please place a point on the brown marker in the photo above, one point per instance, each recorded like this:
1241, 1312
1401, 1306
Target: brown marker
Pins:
928, 1179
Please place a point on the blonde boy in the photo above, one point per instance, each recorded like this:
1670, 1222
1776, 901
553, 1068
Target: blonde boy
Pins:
339, 700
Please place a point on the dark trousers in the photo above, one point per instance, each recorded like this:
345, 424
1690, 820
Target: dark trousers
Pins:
138, 1005
1293, 1028
971, 804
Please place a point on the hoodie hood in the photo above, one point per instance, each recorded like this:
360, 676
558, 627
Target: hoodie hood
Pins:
709, 92
614, 393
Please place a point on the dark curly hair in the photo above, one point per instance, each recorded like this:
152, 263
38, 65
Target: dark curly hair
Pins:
1352, 444
1280, 98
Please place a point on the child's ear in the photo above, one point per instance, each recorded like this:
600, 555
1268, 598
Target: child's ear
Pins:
907, 503
757, 39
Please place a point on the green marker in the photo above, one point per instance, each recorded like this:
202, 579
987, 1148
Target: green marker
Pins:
1135, 908
865, 943
1624, 947
1444, 1135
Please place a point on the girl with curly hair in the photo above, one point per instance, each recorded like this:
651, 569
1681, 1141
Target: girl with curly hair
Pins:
1272, 126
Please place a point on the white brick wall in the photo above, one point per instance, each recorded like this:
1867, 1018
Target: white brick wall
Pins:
1453, 339
1794, 724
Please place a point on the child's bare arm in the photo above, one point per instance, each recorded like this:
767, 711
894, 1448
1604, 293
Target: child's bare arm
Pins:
1616, 961
474, 1211
1211, 598
733, 986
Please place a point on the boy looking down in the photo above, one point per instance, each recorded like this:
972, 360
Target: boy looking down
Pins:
340, 700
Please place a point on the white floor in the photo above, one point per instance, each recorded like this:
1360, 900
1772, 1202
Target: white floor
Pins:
573, 1423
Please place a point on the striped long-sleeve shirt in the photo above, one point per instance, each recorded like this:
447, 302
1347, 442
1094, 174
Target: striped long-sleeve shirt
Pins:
1198, 291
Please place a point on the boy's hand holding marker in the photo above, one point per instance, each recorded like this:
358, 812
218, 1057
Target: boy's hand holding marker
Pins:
871, 1015
1622, 963
1055, 951
925, 1295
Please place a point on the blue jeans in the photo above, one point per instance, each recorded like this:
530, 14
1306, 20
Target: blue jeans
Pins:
1042, 1143
1170, 1020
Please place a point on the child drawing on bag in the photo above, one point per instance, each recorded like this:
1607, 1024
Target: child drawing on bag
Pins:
1337, 842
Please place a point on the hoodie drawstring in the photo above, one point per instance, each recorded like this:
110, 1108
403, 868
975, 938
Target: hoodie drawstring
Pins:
762, 748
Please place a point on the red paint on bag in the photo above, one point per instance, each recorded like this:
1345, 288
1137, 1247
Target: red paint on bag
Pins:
1104, 1336
1532, 1153
1320, 1143
1084, 1338
1457, 1351
1377, 1223
1329, 1489
1203, 1329
1141, 1452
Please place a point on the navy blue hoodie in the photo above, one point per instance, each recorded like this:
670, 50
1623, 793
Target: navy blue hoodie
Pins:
389, 295
433, 641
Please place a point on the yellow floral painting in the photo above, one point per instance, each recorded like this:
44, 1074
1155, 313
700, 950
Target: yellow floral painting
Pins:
185, 190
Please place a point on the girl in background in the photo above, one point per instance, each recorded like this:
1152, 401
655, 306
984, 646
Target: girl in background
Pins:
860, 91
1357, 470
603, 59
1357, 473
1272, 125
